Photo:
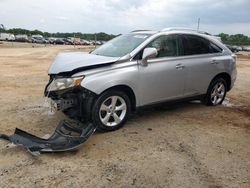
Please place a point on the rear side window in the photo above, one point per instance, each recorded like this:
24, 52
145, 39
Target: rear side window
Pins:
193, 45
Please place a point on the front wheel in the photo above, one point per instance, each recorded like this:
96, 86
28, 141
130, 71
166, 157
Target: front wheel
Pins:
216, 92
111, 110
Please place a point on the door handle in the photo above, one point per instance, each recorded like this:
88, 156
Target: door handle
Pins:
179, 66
214, 62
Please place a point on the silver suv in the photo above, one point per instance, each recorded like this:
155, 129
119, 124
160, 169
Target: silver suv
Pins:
139, 69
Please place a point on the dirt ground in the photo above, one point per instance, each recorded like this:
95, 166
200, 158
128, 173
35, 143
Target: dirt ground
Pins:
185, 145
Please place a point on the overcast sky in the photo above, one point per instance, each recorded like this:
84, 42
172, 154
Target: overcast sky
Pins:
121, 16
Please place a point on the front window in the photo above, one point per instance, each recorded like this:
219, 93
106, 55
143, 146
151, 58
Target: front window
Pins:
166, 46
121, 45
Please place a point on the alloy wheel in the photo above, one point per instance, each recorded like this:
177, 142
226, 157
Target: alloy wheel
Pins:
113, 111
218, 93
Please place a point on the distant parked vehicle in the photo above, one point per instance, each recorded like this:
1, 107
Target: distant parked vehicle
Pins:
7, 36
232, 48
92, 42
46, 41
51, 40
38, 39
58, 41
98, 43
22, 38
68, 41
85, 42
246, 48
238, 48
37, 36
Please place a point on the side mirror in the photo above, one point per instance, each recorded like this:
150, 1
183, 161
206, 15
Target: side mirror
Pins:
148, 53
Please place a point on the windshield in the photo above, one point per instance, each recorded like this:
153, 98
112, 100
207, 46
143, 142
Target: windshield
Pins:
121, 45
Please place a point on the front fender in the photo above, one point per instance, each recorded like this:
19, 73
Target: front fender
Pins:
126, 76
98, 89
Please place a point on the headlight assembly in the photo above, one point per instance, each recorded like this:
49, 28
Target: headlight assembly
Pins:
64, 83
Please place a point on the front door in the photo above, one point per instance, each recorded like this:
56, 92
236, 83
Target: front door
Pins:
164, 77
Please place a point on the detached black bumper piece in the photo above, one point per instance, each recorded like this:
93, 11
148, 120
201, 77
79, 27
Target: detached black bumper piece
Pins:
68, 136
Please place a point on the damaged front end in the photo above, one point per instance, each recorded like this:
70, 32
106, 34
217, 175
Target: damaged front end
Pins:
76, 103
67, 95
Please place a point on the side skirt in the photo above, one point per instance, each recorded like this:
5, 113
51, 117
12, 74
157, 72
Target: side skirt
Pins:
170, 102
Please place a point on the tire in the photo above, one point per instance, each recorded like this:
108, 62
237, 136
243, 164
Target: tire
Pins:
216, 92
111, 110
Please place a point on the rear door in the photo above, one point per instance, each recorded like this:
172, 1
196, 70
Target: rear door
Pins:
200, 58
164, 76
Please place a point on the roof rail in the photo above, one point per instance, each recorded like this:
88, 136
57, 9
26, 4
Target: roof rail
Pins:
139, 30
184, 29
177, 28
204, 32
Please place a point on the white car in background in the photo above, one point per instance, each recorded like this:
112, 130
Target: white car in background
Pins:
7, 36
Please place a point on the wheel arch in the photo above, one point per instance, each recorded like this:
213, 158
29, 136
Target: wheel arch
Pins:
128, 91
226, 77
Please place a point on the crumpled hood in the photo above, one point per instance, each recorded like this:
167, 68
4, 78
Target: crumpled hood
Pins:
69, 61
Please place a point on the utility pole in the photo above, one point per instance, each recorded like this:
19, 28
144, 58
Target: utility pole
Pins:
95, 40
74, 40
198, 26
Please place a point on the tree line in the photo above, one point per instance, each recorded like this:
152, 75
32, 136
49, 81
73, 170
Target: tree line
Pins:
87, 36
237, 39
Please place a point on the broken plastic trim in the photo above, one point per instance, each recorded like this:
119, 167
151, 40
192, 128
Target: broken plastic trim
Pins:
67, 136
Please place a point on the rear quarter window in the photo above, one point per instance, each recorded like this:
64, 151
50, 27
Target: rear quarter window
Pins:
213, 48
195, 45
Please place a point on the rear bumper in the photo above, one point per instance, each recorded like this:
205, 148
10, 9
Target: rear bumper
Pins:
233, 77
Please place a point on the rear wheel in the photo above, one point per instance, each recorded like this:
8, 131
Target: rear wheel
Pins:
216, 92
111, 110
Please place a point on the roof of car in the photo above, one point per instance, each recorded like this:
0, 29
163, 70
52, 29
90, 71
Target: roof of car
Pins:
144, 31
171, 30
179, 30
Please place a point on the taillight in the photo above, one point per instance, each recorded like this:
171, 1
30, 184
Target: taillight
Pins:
234, 57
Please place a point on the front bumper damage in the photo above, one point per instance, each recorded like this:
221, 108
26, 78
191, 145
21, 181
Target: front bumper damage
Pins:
75, 102
67, 136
